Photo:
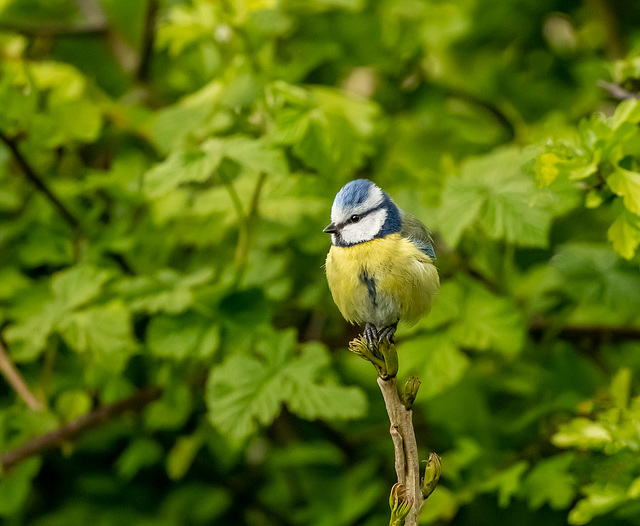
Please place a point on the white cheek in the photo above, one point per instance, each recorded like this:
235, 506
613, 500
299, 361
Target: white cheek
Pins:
366, 229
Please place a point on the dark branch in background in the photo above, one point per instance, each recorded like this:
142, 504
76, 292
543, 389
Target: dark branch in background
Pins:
148, 38
490, 107
616, 91
37, 181
9, 371
64, 211
72, 431
93, 21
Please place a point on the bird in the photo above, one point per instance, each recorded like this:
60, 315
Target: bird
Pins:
380, 267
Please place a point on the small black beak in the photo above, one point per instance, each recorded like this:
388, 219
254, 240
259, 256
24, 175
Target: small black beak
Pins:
330, 229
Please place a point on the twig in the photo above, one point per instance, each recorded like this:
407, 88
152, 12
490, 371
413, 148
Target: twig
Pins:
148, 38
405, 447
66, 214
35, 179
616, 91
245, 221
71, 431
9, 371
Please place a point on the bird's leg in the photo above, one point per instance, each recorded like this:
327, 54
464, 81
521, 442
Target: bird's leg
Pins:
371, 336
388, 334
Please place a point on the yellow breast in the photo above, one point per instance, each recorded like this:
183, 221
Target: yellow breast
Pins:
382, 281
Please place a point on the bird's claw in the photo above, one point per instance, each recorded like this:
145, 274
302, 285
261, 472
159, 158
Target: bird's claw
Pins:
371, 336
387, 335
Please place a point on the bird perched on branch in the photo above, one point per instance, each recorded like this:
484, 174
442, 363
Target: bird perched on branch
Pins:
380, 266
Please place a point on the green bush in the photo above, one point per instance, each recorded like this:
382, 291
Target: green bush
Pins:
167, 168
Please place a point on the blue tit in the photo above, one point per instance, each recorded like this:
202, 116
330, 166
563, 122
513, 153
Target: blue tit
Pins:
380, 266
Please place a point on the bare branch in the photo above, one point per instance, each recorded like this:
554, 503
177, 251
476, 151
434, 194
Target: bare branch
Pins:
73, 430
405, 446
13, 376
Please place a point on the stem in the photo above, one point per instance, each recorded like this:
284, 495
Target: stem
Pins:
405, 446
66, 433
245, 221
9, 371
148, 38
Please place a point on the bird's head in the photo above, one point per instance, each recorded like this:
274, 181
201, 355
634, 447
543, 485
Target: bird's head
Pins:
361, 212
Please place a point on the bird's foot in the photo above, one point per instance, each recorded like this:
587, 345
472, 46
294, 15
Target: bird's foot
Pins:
371, 336
387, 335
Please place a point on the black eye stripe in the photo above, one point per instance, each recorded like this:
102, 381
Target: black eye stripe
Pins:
362, 215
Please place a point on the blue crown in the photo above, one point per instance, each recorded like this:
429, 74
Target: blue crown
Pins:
353, 193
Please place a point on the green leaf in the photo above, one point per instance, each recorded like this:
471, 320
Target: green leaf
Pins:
166, 290
140, 453
594, 277
311, 399
187, 335
15, 486
102, 332
248, 391
78, 285
551, 481
582, 433
194, 503
183, 453
626, 184
443, 505
507, 482
436, 359
327, 130
172, 125
72, 120
494, 193
173, 409
73, 403
29, 338
255, 154
198, 165
487, 321
601, 499
461, 204
624, 233
182, 166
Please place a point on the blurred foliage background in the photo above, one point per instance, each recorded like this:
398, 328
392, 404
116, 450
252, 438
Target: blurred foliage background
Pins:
166, 170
